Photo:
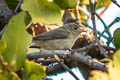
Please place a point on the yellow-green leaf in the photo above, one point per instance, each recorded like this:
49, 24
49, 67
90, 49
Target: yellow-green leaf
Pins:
116, 37
102, 3
2, 46
105, 60
66, 4
33, 71
113, 71
99, 75
42, 11
114, 67
116, 58
84, 2
6, 75
17, 40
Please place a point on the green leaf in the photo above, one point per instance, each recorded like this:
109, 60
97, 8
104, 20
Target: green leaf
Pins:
66, 4
12, 4
102, 3
33, 71
2, 46
28, 19
6, 75
42, 11
116, 37
17, 40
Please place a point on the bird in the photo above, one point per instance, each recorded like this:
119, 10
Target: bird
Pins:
61, 38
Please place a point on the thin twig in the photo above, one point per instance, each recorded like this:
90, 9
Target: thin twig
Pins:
85, 47
16, 9
77, 14
18, 6
94, 28
115, 2
65, 67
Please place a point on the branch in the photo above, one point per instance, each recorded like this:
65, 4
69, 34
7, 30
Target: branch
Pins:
64, 55
18, 6
94, 28
46, 61
48, 53
80, 58
61, 53
65, 67
53, 69
77, 14
115, 2
85, 48
89, 61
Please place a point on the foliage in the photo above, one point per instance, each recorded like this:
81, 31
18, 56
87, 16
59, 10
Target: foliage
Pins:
116, 37
2, 46
13, 47
113, 70
15, 40
42, 11
6, 75
66, 4
102, 3
33, 71
12, 4
49, 11
16, 45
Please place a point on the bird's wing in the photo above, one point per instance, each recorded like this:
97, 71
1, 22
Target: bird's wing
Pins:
54, 34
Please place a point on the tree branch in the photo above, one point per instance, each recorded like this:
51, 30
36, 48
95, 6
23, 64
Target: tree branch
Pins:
115, 2
94, 28
65, 54
89, 61
77, 14
65, 67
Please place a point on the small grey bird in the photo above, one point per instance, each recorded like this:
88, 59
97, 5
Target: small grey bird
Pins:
60, 38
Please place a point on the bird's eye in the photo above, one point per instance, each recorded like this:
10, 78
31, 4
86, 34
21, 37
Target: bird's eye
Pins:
75, 28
